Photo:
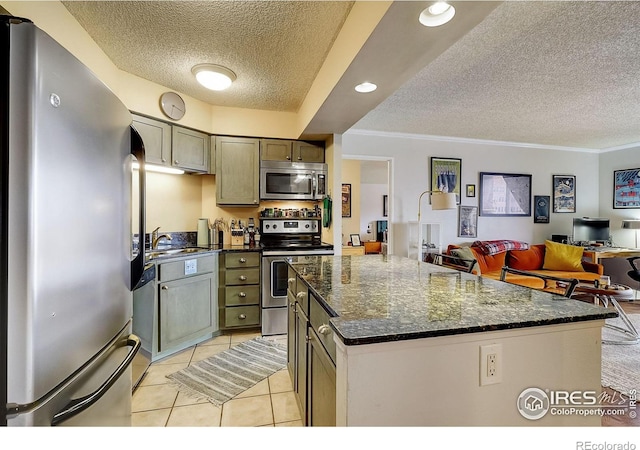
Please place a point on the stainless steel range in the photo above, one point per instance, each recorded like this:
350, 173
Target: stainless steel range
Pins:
284, 239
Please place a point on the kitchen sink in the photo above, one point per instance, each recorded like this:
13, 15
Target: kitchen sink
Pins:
154, 254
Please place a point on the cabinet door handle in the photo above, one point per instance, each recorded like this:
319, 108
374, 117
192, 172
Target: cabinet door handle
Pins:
165, 288
300, 295
243, 278
324, 329
242, 294
164, 160
292, 305
242, 317
243, 260
290, 281
176, 162
288, 157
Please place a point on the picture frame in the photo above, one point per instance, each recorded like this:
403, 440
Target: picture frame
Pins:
471, 190
355, 240
505, 194
468, 221
564, 193
446, 176
541, 208
385, 206
346, 200
626, 189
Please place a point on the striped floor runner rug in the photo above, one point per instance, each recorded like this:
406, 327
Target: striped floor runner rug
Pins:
227, 374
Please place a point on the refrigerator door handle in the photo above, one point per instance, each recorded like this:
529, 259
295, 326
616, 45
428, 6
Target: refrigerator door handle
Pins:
78, 405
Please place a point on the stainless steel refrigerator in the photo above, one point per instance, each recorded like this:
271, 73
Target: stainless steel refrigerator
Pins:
65, 238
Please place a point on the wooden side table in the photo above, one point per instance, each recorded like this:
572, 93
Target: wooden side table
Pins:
606, 296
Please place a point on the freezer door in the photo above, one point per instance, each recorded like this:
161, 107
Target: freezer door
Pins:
69, 203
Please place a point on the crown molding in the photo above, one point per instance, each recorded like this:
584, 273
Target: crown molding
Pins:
424, 137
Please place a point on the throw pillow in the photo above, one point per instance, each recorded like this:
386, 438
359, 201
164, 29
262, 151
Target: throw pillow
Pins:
565, 257
499, 246
466, 253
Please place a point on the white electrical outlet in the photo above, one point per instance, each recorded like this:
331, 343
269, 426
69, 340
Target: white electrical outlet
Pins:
490, 364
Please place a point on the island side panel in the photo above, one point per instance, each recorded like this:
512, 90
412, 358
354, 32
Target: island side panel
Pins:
436, 381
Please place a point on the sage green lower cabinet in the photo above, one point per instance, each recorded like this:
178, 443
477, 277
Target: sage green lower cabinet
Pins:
184, 310
321, 368
239, 290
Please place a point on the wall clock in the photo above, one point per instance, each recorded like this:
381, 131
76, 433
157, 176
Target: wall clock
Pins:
172, 105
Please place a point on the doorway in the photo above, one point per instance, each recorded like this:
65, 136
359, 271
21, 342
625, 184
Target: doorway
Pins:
370, 213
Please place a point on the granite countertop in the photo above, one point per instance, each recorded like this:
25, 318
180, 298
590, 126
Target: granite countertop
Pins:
380, 298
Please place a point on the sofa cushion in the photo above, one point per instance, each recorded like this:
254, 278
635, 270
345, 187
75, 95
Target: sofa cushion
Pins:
489, 263
531, 259
495, 247
562, 257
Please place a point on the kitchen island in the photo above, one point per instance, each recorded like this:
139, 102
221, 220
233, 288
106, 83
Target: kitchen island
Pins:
412, 341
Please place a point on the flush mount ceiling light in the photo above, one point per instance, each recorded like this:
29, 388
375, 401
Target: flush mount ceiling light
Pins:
437, 14
211, 76
366, 87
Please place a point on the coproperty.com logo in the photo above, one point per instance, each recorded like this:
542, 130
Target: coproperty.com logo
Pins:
535, 403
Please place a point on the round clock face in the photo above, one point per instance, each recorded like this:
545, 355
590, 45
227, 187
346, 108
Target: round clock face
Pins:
172, 105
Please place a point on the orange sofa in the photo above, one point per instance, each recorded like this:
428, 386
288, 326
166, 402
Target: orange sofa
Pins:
530, 260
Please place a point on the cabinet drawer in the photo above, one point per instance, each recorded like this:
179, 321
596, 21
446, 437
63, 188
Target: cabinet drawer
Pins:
319, 319
242, 295
180, 269
241, 316
237, 260
236, 277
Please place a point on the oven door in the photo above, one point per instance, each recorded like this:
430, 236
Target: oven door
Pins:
274, 281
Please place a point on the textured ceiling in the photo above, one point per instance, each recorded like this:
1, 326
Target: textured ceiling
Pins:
552, 73
275, 47
545, 73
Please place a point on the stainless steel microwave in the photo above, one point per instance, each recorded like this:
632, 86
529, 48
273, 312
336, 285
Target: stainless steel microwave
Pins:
281, 180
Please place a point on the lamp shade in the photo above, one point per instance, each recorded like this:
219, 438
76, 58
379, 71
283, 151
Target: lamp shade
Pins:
442, 200
632, 224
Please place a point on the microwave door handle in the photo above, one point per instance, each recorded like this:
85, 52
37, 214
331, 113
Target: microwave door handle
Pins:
314, 186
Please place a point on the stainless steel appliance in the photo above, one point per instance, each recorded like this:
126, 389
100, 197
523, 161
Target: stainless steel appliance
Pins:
144, 297
66, 252
284, 239
281, 180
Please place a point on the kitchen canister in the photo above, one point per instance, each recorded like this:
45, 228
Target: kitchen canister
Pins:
203, 233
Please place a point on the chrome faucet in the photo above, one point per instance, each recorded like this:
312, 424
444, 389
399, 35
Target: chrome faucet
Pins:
155, 238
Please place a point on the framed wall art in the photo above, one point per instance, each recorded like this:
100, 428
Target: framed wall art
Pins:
505, 194
446, 175
626, 189
541, 206
346, 200
468, 221
471, 190
564, 193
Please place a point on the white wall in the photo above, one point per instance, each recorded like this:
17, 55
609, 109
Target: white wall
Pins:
616, 160
373, 186
410, 176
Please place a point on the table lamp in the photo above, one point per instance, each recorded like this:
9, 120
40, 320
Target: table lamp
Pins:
632, 224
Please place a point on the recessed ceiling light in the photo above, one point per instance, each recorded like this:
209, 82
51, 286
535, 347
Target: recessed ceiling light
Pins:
366, 87
437, 14
211, 76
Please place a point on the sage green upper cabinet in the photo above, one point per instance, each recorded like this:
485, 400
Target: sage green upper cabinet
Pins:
156, 136
237, 171
275, 150
294, 151
212, 156
307, 152
172, 145
190, 149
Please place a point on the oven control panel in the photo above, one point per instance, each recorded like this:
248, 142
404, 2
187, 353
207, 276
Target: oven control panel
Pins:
289, 225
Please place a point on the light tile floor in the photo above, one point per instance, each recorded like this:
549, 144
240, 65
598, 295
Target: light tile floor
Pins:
156, 403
